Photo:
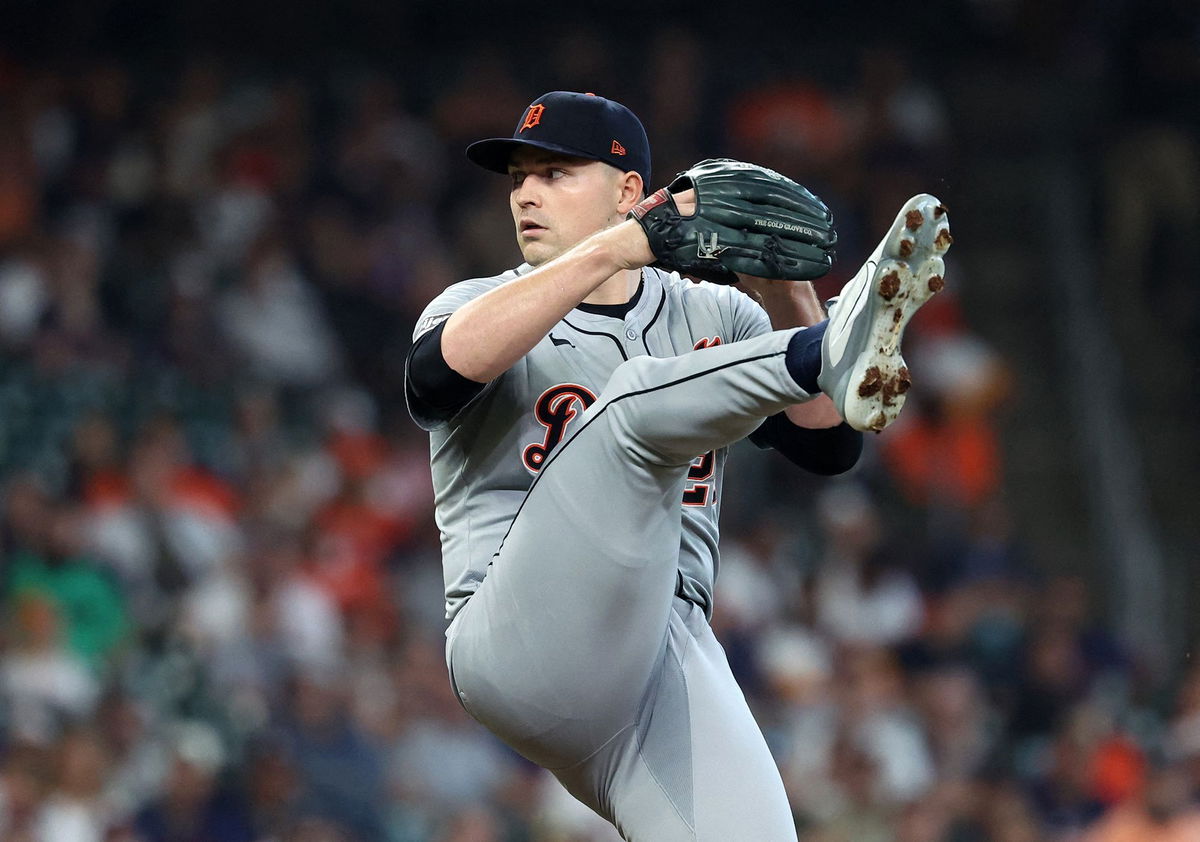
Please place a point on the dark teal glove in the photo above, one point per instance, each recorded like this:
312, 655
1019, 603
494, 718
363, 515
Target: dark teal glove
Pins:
748, 219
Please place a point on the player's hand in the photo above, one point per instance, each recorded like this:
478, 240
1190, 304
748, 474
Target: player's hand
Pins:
634, 249
686, 202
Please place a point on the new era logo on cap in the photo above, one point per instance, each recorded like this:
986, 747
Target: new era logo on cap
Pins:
574, 124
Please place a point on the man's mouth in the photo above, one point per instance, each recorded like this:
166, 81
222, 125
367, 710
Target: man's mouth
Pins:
528, 226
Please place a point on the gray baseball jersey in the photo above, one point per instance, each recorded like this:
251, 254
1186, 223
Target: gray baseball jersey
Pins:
484, 459
578, 497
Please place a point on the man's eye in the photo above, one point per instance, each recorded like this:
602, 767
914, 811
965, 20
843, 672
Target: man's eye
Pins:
517, 178
557, 173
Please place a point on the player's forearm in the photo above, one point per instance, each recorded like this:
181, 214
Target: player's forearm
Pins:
485, 337
796, 304
803, 308
790, 304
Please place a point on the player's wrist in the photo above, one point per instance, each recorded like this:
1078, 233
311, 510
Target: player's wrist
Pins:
627, 245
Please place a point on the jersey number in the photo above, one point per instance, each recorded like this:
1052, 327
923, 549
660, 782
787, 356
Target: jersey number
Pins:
697, 491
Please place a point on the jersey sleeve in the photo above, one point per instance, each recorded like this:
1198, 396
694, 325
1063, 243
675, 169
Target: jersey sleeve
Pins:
434, 392
748, 316
826, 451
453, 297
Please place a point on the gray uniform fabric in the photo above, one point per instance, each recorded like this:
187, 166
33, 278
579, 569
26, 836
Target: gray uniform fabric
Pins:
578, 512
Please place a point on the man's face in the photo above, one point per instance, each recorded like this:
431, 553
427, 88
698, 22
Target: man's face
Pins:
557, 200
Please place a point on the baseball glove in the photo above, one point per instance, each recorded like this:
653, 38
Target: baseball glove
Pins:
748, 219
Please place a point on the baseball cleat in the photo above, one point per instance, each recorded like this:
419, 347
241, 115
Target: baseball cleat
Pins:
862, 369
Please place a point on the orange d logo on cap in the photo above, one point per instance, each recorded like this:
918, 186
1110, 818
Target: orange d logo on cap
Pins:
533, 116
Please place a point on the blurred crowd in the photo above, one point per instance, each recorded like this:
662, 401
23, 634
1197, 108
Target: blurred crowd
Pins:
222, 600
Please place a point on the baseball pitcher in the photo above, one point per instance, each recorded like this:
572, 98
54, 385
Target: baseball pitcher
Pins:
580, 407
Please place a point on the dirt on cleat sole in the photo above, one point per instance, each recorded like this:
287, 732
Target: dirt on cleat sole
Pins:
904, 272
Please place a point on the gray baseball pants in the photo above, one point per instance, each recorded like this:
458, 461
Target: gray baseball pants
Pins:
575, 650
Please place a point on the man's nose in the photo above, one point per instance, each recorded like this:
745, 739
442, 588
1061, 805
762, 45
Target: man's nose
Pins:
528, 193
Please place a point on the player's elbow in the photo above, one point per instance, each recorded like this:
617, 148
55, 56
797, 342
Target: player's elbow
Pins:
832, 464
477, 371
464, 356
827, 452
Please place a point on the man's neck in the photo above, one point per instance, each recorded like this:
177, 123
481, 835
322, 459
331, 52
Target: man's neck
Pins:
616, 290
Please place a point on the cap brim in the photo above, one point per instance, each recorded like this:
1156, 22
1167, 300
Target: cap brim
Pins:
494, 153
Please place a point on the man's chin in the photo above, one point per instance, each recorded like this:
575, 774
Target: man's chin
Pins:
536, 254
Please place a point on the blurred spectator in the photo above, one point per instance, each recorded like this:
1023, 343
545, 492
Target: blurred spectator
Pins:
795, 126
18, 184
903, 118
1006, 817
862, 596
22, 788
194, 806
963, 730
879, 721
194, 130
441, 763
302, 617
679, 88
273, 788
85, 597
44, 685
1152, 169
97, 476
857, 813
24, 299
946, 455
274, 323
1062, 792
340, 770
759, 581
1065, 657
472, 825
138, 757
75, 809
171, 527
799, 671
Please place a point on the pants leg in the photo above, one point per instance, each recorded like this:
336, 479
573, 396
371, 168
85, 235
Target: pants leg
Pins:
694, 767
559, 648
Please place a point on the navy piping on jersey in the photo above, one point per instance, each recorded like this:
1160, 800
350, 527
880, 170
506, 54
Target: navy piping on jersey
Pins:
616, 341
653, 319
563, 445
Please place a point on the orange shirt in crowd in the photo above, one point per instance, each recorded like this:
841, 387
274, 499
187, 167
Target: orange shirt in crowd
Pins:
1132, 824
958, 460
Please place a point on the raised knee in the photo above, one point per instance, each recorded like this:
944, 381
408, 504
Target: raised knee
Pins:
631, 377
626, 411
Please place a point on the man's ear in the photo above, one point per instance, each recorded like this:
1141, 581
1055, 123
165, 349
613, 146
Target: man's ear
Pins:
632, 191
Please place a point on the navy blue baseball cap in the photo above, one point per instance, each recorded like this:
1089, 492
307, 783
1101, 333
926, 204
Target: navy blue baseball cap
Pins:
581, 125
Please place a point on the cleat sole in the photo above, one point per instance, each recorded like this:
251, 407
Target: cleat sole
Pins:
871, 381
